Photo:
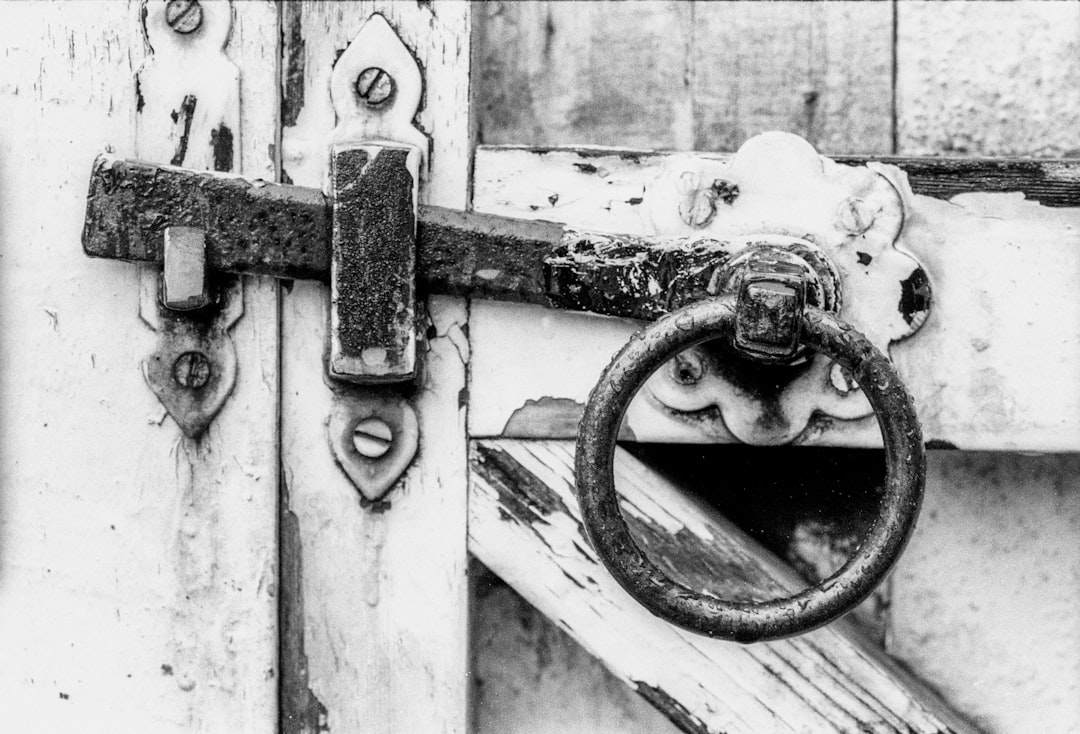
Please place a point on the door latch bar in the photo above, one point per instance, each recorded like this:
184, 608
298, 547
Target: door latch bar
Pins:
256, 227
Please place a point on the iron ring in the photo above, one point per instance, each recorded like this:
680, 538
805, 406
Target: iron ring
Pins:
905, 464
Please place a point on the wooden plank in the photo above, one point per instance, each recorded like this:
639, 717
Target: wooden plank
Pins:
532, 678
555, 73
998, 79
686, 75
138, 566
820, 70
375, 602
968, 367
997, 530
523, 524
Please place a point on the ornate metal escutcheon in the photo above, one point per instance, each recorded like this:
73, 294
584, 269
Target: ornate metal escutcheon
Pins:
844, 222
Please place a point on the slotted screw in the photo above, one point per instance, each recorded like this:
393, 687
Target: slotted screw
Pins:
372, 438
184, 16
854, 216
374, 86
191, 370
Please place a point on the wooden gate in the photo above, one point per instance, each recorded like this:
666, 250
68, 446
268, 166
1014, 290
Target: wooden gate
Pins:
236, 581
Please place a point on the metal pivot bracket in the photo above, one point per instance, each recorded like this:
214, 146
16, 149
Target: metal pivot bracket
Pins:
376, 157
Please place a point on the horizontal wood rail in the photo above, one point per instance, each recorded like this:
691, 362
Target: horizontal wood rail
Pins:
993, 368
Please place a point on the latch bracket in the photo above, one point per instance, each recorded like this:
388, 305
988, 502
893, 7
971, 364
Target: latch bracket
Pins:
373, 187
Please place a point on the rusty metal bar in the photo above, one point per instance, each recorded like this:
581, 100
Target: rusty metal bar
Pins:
260, 228
254, 227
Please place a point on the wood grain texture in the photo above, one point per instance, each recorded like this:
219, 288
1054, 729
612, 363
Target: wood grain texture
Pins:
564, 73
523, 524
532, 678
986, 597
968, 367
988, 79
377, 600
685, 75
137, 567
820, 70
997, 531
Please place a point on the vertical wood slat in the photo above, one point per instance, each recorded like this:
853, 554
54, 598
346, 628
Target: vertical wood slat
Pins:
375, 603
686, 75
137, 567
984, 602
988, 79
599, 73
820, 70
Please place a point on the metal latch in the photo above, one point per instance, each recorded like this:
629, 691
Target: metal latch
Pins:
769, 298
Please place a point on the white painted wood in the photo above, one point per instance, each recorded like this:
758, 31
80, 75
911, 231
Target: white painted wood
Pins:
997, 79
532, 678
985, 603
985, 598
1001, 268
137, 567
829, 680
383, 622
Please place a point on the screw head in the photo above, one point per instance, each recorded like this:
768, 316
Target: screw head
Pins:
372, 438
374, 86
855, 216
192, 370
184, 16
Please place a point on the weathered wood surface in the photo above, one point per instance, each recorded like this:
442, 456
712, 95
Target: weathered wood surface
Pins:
137, 567
375, 607
524, 525
687, 75
990, 576
996, 79
976, 78
992, 259
531, 677
999, 532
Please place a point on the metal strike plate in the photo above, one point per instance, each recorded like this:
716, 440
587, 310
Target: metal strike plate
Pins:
373, 262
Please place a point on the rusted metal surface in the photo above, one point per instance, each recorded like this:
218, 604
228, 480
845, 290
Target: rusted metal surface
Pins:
481, 255
285, 231
754, 619
373, 282
636, 277
251, 226
771, 298
193, 368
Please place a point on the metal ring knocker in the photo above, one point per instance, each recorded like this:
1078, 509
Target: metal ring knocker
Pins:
698, 612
